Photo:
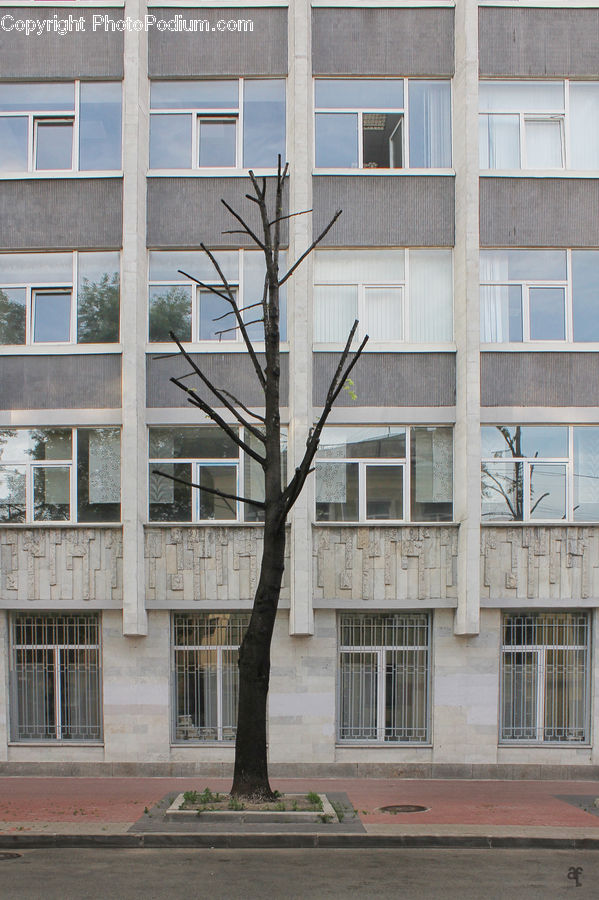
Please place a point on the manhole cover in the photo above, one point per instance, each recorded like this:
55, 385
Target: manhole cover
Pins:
6, 855
404, 808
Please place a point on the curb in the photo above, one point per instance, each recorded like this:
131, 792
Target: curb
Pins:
290, 840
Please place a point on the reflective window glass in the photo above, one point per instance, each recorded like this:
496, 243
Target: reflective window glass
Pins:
13, 144
13, 315
263, 122
54, 145
52, 316
337, 140
170, 142
217, 142
100, 125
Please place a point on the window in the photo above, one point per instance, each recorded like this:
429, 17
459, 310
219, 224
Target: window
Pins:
59, 298
217, 124
397, 295
384, 677
545, 677
393, 123
540, 472
196, 314
539, 124
206, 456
205, 675
60, 126
60, 475
56, 687
384, 473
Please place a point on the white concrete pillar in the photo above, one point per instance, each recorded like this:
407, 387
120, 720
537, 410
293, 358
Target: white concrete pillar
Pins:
4, 684
299, 305
467, 316
133, 322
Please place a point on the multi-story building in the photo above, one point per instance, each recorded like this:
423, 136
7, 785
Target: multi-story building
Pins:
440, 605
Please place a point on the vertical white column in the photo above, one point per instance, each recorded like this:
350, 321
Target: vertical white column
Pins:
133, 292
467, 316
299, 144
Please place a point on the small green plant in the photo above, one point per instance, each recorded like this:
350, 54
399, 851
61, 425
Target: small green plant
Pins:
294, 805
208, 797
280, 806
325, 818
277, 794
339, 810
190, 797
146, 810
314, 800
236, 804
349, 387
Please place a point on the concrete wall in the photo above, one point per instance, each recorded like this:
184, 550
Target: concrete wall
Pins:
539, 379
79, 381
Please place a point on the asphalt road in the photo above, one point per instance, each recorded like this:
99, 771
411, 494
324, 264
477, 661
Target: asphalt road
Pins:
114, 874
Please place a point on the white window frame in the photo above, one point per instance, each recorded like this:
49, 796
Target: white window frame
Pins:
57, 650
403, 111
218, 114
57, 115
40, 286
539, 651
380, 651
528, 463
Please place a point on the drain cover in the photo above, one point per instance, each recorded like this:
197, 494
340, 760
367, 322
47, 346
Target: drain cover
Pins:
6, 855
404, 808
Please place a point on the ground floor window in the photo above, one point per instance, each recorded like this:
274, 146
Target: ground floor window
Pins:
384, 677
56, 678
545, 677
205, 676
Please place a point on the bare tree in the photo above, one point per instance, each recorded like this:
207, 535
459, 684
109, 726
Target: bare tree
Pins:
251, 768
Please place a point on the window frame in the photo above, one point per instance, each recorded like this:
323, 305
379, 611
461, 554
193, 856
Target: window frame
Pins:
183, 649
38, 286
71, 463
380, 651
363, 463
404, 114
212, 113
59, 116
539, 650
58, 650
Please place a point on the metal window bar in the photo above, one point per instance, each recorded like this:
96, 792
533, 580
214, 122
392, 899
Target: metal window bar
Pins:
384, 678
205, 675
545, 678
56, 678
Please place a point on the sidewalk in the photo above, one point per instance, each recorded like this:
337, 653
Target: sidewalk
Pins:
37, 811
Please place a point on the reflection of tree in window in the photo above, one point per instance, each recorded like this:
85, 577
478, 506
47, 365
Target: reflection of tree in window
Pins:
98, 310
12, 316
170, 310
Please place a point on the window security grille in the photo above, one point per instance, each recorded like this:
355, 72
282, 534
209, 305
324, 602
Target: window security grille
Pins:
55, 678
544, 678
206, 677
384, 678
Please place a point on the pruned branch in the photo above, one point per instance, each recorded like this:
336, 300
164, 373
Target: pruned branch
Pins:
241, 405
243, 223
209, 490
302, 212
310, 248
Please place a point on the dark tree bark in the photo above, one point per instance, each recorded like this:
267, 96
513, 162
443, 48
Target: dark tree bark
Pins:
251, 762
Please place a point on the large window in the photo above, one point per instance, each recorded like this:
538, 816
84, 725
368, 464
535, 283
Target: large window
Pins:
205, 675
60, 475
539, 124
539, 295
545, 677
205, 456
382, 472
60, 126
237, 123
397, 295
540, 473
393, 123
59, 298
384, 671
55, 684
196, 314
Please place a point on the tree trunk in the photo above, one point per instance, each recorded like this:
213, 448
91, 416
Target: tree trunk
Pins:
250, 778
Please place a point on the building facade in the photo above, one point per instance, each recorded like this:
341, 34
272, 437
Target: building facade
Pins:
439, 612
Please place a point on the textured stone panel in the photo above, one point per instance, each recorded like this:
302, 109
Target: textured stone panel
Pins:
191, 564
382, 563
80, 381
59, 565
538, 379
545, 562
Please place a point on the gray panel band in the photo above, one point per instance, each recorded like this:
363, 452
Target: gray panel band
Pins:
90, 381
381, 211
382, 42
259, 51
61, 214
539, 379
391, 379
539, 212
76, 54
538, 42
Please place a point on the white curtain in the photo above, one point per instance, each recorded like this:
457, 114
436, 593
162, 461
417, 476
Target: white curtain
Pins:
335, 309
494, 298
435, 151
584, 124
543, 143
383, 313
105, 466
431, 296
358, 266
499, 142
521, 96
